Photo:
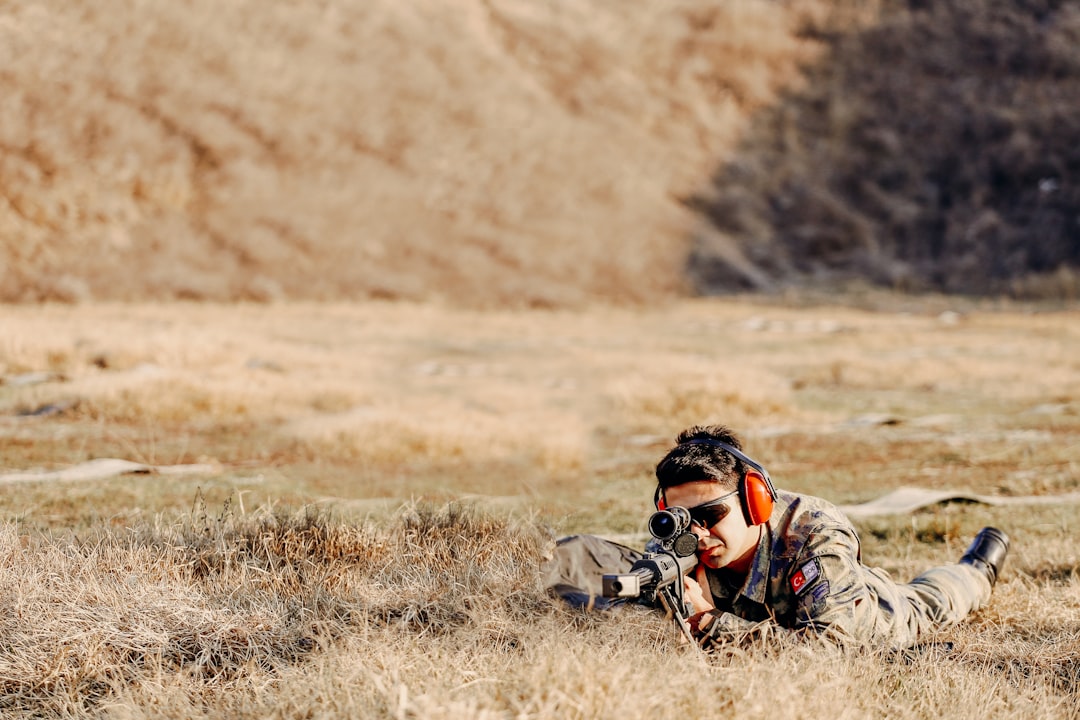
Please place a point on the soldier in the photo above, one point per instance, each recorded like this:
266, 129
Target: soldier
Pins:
781, 561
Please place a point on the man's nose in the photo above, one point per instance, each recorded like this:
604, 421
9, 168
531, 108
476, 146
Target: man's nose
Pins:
699, 532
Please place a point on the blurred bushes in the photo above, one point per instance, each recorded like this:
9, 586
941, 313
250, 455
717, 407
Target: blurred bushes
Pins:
937, 150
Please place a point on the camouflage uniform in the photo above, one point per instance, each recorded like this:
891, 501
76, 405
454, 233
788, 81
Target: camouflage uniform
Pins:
807, 575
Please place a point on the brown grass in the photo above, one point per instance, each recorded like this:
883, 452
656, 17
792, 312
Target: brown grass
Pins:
392, 475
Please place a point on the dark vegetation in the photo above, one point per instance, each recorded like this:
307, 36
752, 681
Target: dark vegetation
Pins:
937, 150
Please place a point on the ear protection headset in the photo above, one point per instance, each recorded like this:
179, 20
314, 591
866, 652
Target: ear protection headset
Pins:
756, 491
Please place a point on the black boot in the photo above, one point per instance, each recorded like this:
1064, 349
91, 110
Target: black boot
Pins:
987, 552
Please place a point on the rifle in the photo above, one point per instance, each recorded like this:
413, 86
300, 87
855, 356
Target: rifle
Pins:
657, 576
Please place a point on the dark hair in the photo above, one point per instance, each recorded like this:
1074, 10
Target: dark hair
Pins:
693, 462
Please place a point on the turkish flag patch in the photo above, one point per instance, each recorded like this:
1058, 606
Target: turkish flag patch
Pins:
805, 576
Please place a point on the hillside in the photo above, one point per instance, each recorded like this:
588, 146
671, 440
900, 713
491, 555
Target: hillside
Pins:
495, 153
485, 152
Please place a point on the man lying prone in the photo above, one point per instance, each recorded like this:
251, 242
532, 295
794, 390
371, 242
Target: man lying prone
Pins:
769, 558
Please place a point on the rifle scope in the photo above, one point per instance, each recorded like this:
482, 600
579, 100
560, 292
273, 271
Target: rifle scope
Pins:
671, 528
657, 570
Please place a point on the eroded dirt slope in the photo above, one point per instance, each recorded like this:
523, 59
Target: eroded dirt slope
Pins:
486, 152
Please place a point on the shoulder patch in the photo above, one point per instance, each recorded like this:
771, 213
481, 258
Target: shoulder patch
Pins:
807, 573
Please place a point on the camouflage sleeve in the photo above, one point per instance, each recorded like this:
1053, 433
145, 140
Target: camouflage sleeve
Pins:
726, 626
829, 585
727, 629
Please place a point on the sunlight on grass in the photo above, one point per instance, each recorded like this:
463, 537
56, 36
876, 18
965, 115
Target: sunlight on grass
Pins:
390, 477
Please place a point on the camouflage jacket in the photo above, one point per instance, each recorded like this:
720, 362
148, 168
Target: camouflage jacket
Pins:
807, 574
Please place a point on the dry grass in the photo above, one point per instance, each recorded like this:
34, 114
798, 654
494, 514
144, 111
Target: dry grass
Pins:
440, 612
322, 573
228, 605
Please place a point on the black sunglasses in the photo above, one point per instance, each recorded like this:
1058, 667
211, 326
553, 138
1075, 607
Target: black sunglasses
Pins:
709, 513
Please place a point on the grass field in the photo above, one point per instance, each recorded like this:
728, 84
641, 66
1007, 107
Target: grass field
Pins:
388, 478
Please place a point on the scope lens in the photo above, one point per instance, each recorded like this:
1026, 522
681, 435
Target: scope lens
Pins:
662, 525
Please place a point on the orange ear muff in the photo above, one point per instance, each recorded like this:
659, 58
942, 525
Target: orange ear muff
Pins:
658, 499
757, 498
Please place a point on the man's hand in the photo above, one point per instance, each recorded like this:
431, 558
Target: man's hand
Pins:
695, 594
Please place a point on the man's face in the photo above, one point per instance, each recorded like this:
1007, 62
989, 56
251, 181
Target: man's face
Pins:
729, 542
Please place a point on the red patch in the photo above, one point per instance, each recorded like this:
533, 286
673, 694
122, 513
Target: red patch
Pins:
798, 581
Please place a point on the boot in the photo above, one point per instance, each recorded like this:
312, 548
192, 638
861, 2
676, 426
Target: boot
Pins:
987, 552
